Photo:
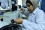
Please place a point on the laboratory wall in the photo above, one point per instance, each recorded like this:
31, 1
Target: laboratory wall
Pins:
43, 5
23, 2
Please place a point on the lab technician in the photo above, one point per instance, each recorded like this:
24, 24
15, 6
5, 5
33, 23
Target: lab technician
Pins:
35, 20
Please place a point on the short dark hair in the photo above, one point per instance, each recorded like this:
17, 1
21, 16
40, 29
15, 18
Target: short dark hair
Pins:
28, 1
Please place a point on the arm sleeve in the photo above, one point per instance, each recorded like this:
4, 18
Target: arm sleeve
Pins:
39, 25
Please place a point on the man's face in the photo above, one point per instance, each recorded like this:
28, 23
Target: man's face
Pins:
29, 7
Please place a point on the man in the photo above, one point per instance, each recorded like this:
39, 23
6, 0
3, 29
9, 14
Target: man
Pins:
35, 20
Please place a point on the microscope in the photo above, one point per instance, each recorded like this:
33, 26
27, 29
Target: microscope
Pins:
11, 26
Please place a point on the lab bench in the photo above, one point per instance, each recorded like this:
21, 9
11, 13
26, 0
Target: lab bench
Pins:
8, 8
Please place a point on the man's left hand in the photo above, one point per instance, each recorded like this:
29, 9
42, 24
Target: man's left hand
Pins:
18, 21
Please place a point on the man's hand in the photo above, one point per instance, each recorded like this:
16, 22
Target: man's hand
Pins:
22, 9
19, 21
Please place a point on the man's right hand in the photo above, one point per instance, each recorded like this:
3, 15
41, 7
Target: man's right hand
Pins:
22, 9
18, 21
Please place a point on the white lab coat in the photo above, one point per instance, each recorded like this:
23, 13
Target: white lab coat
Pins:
35, 21
4, 3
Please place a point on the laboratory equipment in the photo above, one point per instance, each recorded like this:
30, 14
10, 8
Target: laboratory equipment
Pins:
19, 6
1, 16
0, 3
7, 17
14, 8
12, 26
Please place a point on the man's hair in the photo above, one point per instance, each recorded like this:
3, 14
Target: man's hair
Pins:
28, 1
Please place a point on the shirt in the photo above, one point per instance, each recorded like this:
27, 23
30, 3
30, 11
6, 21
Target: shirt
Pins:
35, 20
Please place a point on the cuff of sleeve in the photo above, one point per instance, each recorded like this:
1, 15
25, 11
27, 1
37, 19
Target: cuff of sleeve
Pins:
24, 22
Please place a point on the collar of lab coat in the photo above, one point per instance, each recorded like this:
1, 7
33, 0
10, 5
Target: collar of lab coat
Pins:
34, 12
